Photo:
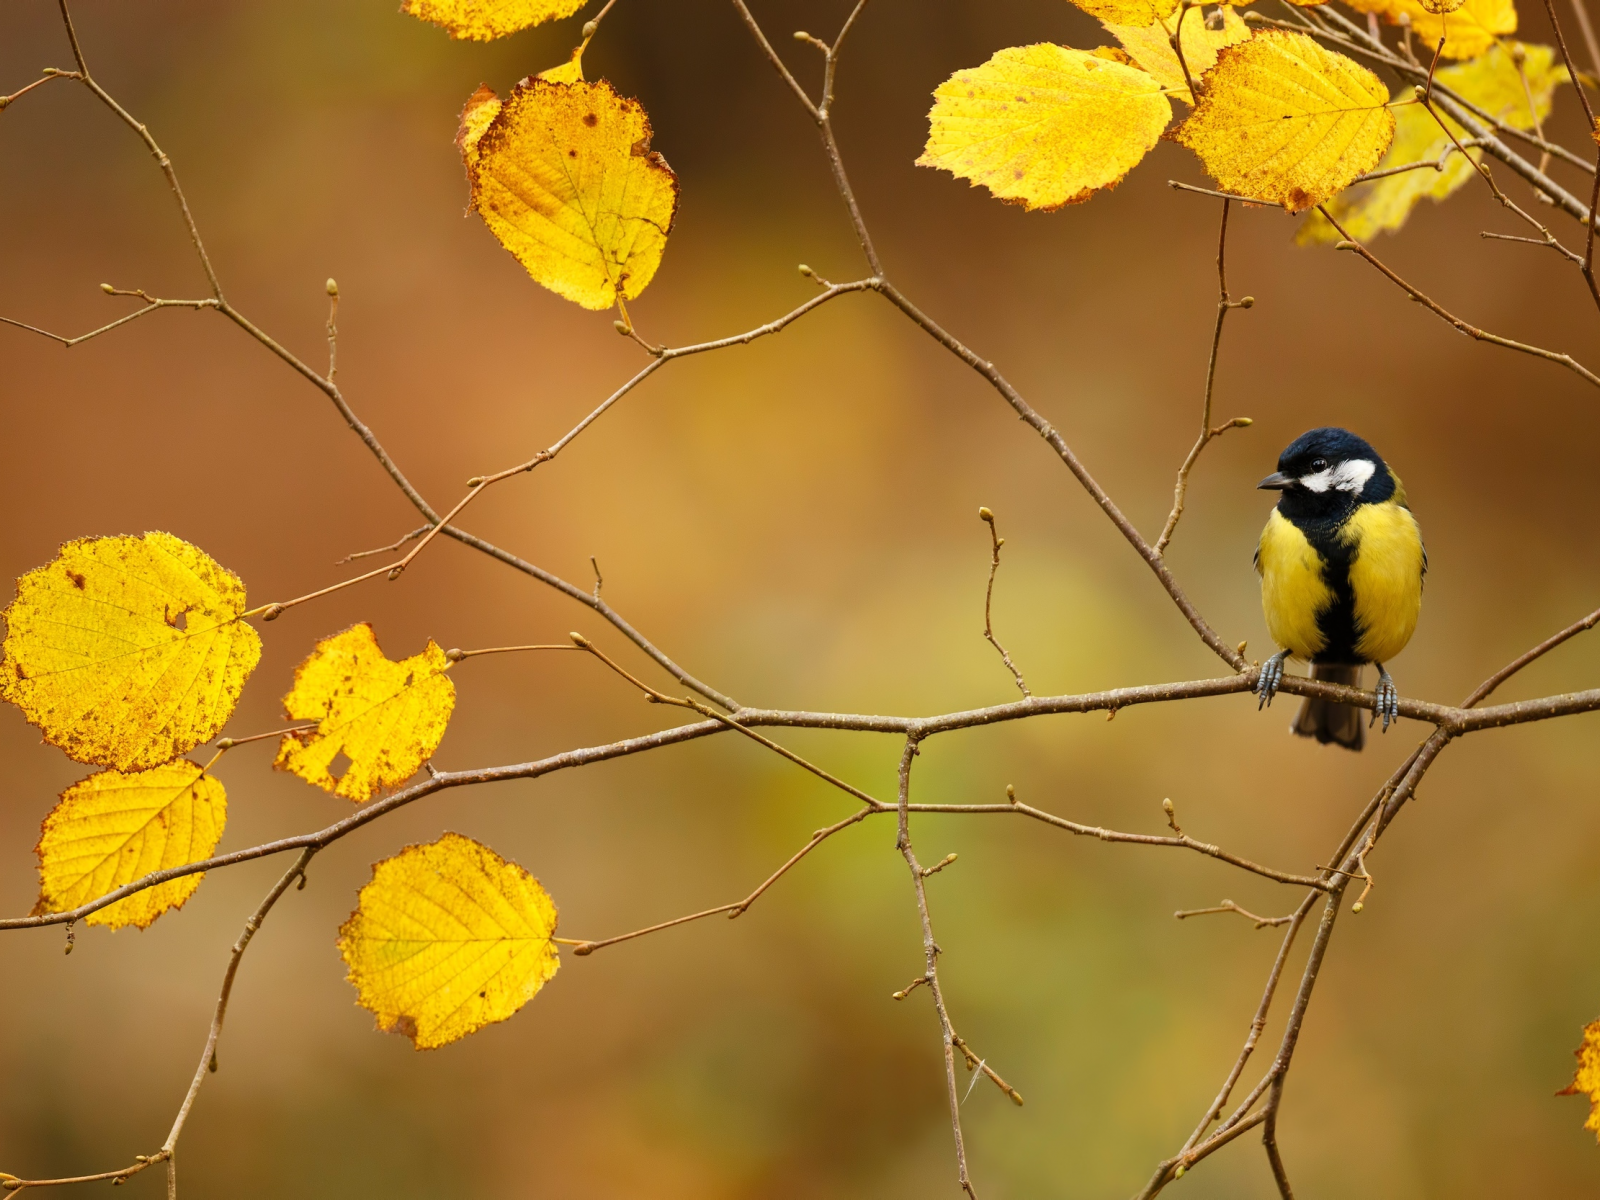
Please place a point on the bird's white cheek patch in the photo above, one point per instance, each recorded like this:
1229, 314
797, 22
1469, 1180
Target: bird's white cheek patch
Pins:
1352, 476
1320, 482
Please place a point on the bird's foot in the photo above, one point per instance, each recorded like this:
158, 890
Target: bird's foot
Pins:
1271, 677
1388, 696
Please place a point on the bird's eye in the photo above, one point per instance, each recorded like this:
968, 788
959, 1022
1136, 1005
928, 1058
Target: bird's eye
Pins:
1318, 464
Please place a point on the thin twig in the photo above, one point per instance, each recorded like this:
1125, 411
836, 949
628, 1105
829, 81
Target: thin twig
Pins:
151, 305
930, 957
739, 907
974, 1063
988, 602
1207, 433
1472, 331
1228, 906
208, 1056
1550, 643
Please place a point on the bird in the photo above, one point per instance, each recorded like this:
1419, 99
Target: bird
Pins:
1341, 562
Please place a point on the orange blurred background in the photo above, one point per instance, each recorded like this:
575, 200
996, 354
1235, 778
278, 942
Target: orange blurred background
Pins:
795, 522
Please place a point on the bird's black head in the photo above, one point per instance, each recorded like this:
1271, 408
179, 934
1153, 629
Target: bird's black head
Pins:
1328, 470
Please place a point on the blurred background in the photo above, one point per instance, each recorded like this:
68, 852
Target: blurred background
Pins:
796, 522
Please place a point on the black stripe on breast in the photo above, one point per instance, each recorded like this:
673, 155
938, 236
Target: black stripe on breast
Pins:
1337, 624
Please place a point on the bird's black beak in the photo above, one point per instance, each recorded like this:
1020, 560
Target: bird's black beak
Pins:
1276, 482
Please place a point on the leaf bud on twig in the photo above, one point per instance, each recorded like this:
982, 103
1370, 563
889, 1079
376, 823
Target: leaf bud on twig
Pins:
589, 28
1011, 793
807, 271
108, 289
579, 640
985, 515
333, 288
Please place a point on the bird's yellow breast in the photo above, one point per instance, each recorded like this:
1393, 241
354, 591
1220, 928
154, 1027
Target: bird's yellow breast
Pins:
1385, 577
1293, 592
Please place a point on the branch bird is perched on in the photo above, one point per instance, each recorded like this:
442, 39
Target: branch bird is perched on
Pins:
1341, 563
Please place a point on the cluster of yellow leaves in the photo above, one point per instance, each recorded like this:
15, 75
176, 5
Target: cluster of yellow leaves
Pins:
386, 717
1280, 118
1495, 85
447, 938
483, 20
562, 173
1468, 28
128, 652
1586, 1081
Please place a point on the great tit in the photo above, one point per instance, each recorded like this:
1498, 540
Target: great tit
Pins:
1341, 564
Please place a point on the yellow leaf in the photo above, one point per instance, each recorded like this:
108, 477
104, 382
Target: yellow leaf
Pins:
1282, 119
127, 651
1469, 28
484, 20
482, 107
1494, 85
563, 175
1151, 47
386, 717
570, 71
113, 828
447, 938
1044, 125
1586, 1081
1129, 12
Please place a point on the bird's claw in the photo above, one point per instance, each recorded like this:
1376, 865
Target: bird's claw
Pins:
1387, 707
1271, 677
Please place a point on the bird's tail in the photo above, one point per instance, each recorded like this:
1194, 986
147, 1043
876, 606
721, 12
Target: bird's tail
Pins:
1329, 722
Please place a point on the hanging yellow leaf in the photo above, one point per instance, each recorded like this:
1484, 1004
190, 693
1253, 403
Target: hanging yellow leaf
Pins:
386, 718
127, 651
113, 828
1137, 13
563, 175
1468, 28
1494, 85
1044, 125
1282, 119
447, 938
1151, 47
484, 20
1587, 1079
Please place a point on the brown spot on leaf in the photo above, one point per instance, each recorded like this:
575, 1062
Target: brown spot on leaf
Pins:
77, 580
590, 120
407, 1025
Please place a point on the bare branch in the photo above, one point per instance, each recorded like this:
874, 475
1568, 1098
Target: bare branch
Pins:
988, 602
739, 907
1472, 331
1228, 906
930, 956
1550, 643
208, 1056
1207, 433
